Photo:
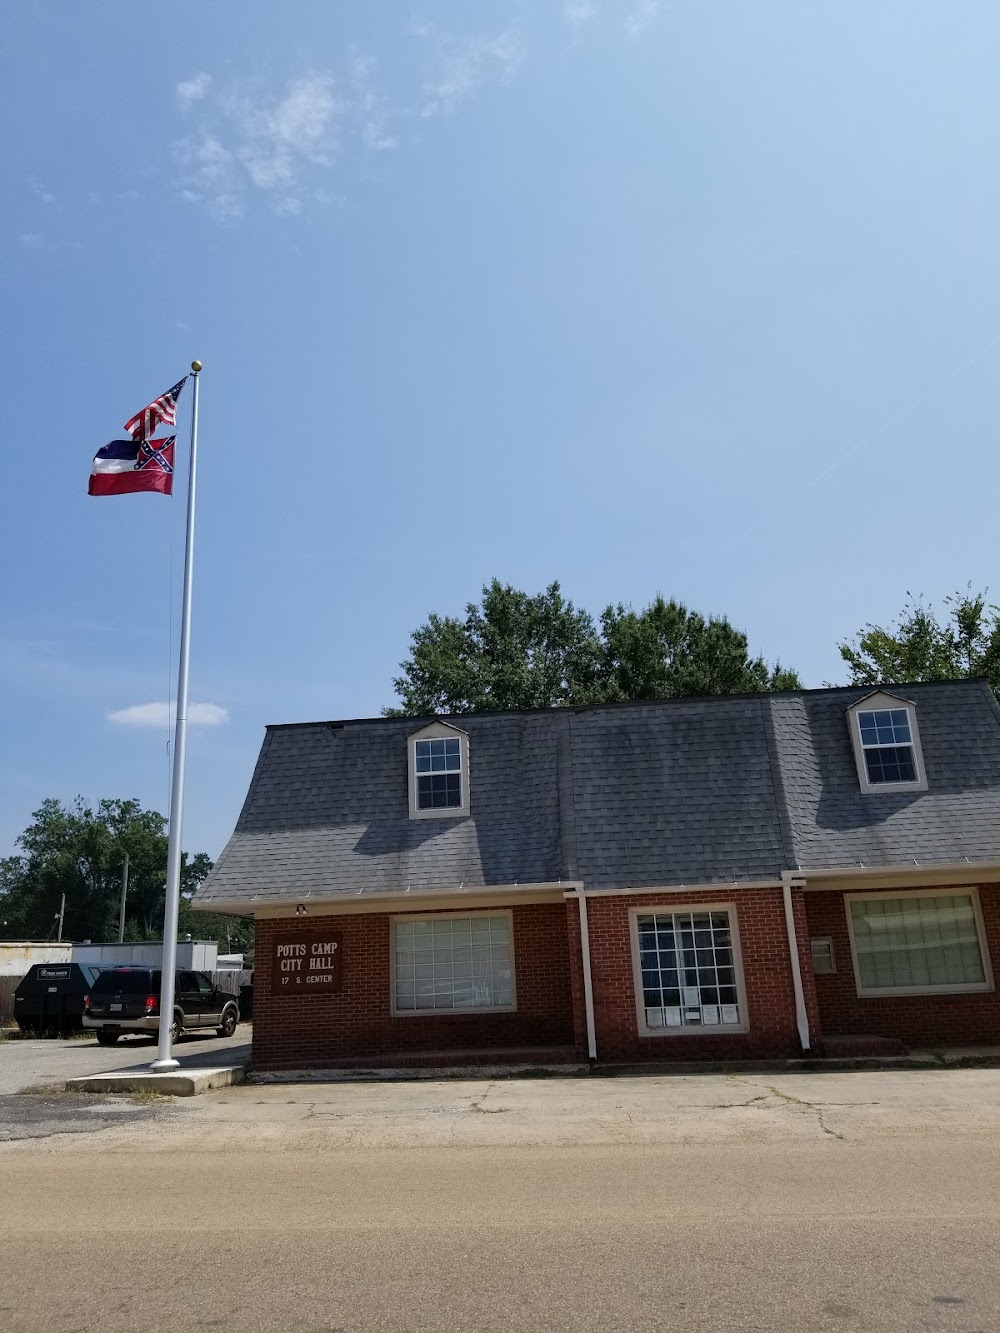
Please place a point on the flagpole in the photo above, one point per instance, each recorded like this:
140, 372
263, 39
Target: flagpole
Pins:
164, 1055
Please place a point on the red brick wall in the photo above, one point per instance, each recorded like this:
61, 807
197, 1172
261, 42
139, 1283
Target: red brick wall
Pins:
311, 1032
915, 1019
766, 972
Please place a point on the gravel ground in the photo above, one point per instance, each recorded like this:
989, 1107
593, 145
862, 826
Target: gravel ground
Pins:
41, 1116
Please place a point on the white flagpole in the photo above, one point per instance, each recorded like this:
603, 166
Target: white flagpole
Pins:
164, 1056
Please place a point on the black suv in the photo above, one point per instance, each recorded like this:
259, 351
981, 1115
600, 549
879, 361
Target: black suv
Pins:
127, 999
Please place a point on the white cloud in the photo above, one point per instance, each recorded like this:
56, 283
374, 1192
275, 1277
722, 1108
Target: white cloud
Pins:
245, 142
265, 143
193, 90
644, 14
162, 715
212, 176
460, 66
578, 13
276, 138
371, 107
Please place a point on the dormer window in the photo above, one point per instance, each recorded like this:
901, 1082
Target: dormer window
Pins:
886, 744
439, 774
438, 764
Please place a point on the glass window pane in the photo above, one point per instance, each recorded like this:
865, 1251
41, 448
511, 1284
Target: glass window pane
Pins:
439, 791
917, 941
890, 764
459, 963
688, 976
437, 756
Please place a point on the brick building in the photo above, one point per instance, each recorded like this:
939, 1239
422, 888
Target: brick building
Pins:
695, 878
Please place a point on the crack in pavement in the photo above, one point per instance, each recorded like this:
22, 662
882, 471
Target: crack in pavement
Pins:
789, 1100
477, 1103
811, 1106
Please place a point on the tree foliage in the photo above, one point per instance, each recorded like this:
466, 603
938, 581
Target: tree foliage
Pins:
965, 644
80, 850
515, 650
667, 651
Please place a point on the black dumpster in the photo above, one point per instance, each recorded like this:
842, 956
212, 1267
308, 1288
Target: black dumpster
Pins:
50, 997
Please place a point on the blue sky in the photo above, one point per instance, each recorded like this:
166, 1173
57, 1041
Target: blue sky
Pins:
696, 297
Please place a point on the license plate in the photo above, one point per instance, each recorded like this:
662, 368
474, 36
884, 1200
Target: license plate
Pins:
115, 1008
53, 990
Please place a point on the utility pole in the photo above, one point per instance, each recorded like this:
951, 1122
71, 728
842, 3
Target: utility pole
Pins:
62, 914
121, 910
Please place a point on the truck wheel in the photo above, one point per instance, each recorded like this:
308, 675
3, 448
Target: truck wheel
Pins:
176, 1028
107, 1038
229, 1020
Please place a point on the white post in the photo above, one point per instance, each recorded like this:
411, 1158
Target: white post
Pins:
62, 914
801, 1016
588, 981
121, 909
164, 1056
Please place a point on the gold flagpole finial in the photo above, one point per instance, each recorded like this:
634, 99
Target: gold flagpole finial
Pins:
196, 366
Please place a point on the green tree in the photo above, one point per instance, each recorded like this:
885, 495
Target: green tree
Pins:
667, 651
513, 651
518, 651
80, 850
965, 644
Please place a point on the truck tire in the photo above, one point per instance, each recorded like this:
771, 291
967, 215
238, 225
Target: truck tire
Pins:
107, 1038
230, 1017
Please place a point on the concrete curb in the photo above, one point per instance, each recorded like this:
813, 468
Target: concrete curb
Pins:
957, 1058
415, 1075
177, 1083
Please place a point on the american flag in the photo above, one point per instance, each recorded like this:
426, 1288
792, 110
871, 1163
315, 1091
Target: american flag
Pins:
160, 410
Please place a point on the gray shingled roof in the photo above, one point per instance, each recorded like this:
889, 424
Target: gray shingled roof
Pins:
678, 791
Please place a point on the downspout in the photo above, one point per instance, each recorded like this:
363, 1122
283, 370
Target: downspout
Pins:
801, 1017
588, 981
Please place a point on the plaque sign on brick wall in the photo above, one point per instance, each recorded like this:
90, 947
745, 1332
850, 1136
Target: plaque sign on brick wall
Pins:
307, 963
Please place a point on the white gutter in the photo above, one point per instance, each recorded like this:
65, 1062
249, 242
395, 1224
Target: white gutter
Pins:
801, 1017
588, 981
720, 886
968, 868
314, 901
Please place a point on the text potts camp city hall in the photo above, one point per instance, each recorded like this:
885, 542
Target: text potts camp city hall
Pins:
307, 964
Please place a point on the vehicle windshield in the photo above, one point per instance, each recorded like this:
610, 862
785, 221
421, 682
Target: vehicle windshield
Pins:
128, 981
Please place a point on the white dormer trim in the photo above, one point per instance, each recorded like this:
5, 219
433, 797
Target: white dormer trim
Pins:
437, 730
881, 699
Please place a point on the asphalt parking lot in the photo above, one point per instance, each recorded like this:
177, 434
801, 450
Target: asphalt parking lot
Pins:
49, 1061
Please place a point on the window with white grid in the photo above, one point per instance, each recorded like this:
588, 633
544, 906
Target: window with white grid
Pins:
887, 745
689, 970
439, 773
453, 963
918, 941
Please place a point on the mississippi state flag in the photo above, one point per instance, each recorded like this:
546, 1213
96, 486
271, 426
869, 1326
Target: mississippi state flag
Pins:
124, 466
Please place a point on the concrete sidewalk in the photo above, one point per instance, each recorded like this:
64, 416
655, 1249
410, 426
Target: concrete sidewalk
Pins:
777, 1109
